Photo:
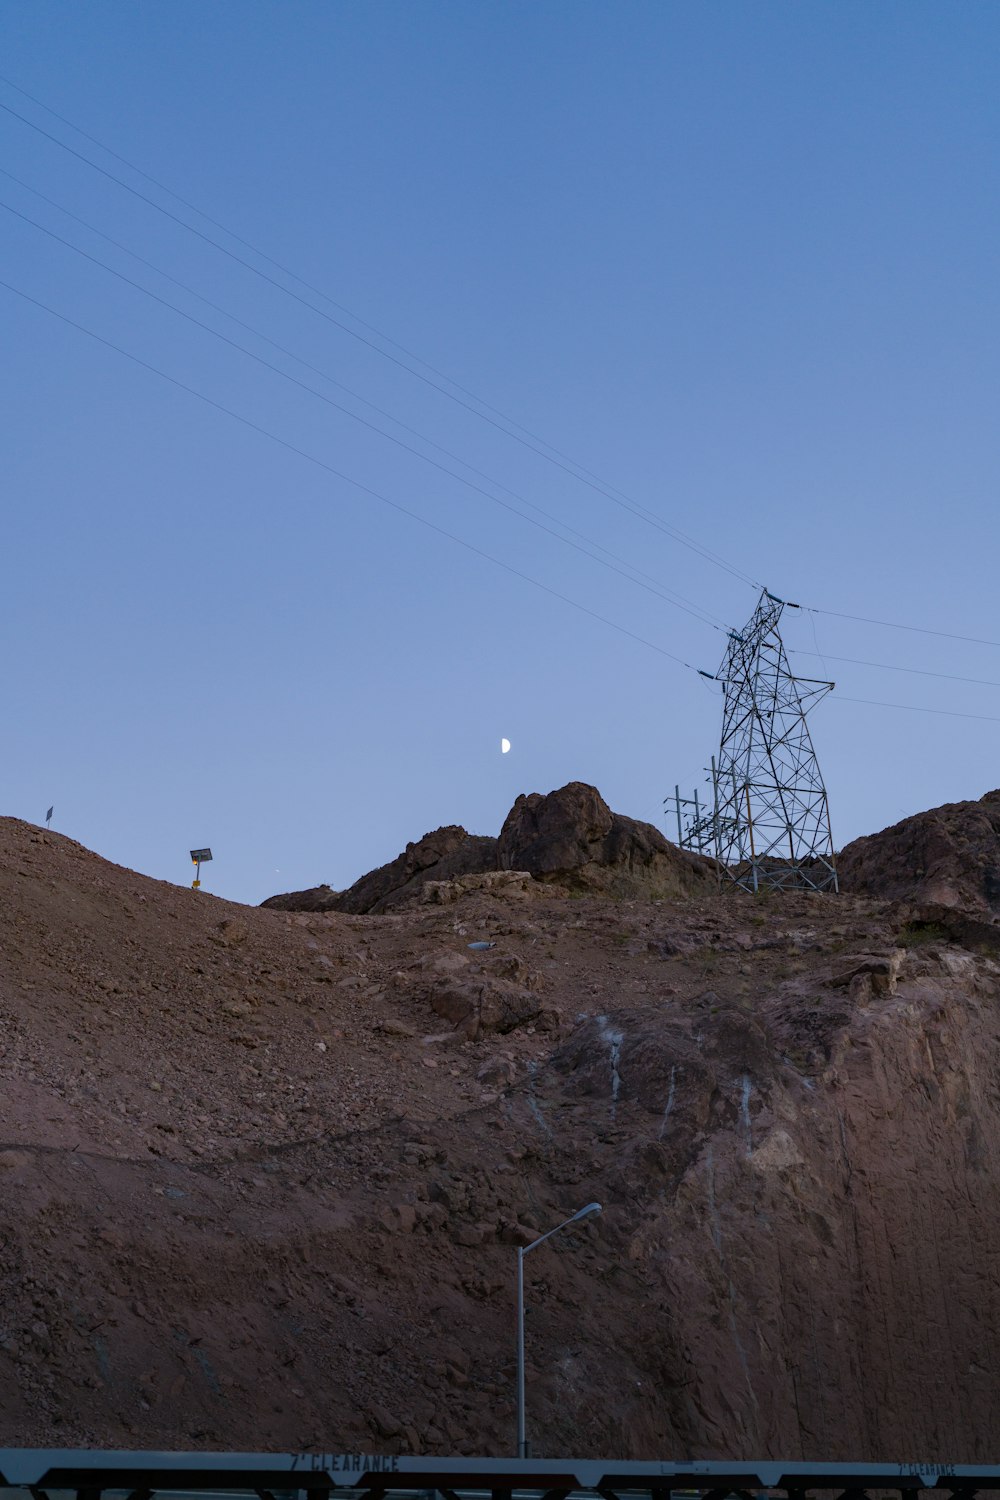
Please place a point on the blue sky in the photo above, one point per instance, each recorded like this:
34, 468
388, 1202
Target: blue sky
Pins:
737, 260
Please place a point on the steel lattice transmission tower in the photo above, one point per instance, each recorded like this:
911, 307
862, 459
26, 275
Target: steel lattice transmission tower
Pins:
772, 818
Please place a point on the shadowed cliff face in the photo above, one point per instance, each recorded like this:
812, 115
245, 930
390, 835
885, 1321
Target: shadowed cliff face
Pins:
264, 1172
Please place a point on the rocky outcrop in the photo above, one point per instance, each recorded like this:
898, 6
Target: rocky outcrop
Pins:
503, 884
317, 898
571, 837
440, 856
948, 857
477, 992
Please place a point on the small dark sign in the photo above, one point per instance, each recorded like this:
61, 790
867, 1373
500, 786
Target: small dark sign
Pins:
200, 856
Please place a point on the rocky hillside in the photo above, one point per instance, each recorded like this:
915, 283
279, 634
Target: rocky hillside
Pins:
264, 1170
947, 857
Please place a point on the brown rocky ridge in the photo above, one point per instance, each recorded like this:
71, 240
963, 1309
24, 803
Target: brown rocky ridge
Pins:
947, 857
440, 855
264, 1171
569, 838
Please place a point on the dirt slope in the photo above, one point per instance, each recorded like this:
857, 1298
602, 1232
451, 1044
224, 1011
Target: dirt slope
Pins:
262, 1173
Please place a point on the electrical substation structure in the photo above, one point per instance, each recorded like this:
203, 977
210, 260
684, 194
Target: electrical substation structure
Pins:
768, 822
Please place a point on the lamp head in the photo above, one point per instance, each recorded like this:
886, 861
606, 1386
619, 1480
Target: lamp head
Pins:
583, 1213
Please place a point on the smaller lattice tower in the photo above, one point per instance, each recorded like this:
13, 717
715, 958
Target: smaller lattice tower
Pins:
771, 815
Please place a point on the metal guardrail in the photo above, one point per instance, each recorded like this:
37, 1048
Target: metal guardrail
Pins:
141, 1475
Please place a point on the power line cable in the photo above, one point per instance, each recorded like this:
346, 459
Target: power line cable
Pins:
346, 478
432, 525
583, 476
916, 708
317, 291
914, 671
617, 498
286, 270
604, 489
670, 595
946, 635
653, 588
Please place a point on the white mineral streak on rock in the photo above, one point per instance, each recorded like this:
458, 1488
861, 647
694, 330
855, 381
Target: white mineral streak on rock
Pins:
614, 1040
533, 1104
671, 1092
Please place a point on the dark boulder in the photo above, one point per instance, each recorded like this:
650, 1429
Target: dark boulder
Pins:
571, 837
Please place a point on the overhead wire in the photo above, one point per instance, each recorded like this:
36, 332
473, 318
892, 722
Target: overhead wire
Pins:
914, 671
339, 474
323, 374
653, 587
617, 497
287, 271
425, 521
670, 594
916, 708
893, 667
317, 291
583, 475
947, 635
917, 671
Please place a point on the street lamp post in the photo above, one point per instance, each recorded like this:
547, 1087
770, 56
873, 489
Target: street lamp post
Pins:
522, 1250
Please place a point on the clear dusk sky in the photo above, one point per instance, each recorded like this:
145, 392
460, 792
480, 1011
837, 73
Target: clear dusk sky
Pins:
737, 260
